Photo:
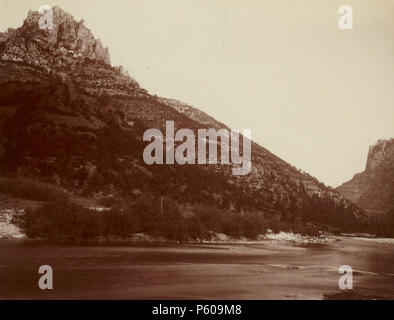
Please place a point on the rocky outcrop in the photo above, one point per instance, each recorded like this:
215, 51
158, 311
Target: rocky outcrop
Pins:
34, 45
373, 189
381, 153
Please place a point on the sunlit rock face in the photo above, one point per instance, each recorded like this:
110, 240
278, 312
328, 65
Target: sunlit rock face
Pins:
31, 44
381, 153
373, 189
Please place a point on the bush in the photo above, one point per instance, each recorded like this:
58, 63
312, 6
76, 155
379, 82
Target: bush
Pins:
61, 221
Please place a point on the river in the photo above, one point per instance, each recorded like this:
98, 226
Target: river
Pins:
209, 271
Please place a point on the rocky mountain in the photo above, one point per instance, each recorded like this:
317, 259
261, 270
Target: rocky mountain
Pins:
373, 189
71, 119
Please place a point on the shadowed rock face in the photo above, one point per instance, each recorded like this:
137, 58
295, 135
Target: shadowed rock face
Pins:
373, 189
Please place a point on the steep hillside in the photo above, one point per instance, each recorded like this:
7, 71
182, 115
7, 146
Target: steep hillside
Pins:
69, 118
373, 189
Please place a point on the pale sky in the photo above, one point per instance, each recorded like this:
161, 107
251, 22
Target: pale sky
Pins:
312, 94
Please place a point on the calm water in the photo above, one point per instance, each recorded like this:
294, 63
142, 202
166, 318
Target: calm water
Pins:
263, 271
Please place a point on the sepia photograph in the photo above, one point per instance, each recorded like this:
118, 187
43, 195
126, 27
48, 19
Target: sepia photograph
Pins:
196, 150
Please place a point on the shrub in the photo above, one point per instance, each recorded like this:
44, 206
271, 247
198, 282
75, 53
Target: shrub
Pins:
61, 221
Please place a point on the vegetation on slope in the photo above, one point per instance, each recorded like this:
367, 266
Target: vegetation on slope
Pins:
64, 221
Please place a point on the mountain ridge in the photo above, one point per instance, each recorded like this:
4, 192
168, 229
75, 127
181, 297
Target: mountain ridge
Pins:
74, 120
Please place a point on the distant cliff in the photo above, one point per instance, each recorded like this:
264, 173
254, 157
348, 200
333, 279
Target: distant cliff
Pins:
373, 189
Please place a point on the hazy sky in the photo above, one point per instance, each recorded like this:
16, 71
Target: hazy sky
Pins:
313, 94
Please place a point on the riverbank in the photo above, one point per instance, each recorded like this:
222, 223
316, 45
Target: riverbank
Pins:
9, 229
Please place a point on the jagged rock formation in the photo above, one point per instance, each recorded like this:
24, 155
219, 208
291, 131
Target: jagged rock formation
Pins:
373, 189
70, 118
67, 38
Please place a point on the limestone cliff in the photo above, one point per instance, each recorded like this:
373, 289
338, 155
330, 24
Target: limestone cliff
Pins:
66, 37
373, 189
